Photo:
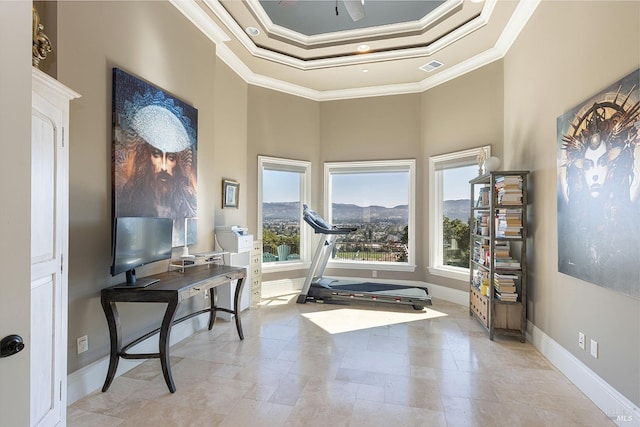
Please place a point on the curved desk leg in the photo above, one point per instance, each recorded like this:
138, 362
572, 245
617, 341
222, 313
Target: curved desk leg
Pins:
113, 320
165, 332
236, 307
213, 297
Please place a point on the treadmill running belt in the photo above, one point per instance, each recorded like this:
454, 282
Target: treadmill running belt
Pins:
372, 287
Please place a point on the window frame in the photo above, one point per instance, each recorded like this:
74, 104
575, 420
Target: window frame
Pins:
372, 166
437, 164
288, 165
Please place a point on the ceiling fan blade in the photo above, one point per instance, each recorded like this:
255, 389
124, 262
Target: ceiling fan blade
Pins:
355, 8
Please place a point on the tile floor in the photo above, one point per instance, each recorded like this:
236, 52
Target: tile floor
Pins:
328, 365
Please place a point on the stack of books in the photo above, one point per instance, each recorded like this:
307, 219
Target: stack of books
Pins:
505, 287
483, 197
481, 253
509, 223
502, 249
482, 223
509, 190
502, 257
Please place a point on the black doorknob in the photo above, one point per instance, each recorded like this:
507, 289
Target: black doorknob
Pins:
11, 345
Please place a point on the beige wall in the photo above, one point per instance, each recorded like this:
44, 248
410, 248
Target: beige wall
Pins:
283, 126
228, 126
461, 114
15, 221
93, 38
381, 128
566, 54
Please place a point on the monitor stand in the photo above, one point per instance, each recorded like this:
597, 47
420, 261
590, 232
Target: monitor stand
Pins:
142, 283
134, 282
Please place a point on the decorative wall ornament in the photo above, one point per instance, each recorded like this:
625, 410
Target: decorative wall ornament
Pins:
480, 158
154, 155
41, 43
599, 188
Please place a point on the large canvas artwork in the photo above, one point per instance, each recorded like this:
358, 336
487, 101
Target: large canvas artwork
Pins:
599, 188
154, 155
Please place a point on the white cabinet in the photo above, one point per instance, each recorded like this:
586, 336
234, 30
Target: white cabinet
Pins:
239, 255
256, 273
49, 248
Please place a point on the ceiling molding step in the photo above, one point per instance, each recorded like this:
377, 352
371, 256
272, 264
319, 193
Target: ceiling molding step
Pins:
314, 64
195, 14
385, 30
524, 10
228, 57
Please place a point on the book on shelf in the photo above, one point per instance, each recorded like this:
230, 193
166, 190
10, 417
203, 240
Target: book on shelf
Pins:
482, 224
502, 249
507, 296
509, 190
483, 197
503, 265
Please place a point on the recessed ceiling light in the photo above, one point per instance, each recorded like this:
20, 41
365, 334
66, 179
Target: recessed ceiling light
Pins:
252, 31
363, 48
365, 71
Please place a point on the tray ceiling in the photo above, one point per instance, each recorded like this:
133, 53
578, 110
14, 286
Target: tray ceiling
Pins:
311, 48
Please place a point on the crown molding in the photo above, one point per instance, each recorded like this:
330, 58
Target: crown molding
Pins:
524, 10
339, 36
337, 61
201, 20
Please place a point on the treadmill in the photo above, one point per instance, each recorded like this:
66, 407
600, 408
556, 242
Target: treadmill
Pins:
317, 288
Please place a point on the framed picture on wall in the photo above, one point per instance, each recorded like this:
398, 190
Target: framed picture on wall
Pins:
155, 151
230, 193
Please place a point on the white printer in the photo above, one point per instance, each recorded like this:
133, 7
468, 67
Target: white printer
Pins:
233, 238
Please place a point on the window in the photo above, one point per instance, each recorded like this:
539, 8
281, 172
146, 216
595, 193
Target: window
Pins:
449, 192
284, 186
378, 198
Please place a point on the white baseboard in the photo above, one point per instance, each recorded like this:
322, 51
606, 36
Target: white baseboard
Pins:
452, 295
620, 409
90, 378
275, 288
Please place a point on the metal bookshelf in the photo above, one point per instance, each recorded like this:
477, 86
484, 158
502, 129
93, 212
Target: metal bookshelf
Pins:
499, 309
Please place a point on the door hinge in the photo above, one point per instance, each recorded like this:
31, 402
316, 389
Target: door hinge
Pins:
63, 137
62, 264
60, 391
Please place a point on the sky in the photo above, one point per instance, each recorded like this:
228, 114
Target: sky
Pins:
456, 182
365, 189
383, 189
278, 186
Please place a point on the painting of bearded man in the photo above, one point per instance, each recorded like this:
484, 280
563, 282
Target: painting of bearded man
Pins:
154, 155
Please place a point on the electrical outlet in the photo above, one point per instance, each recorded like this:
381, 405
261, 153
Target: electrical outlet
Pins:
374, 273
581, 340
594, 348
83, 344
206, 294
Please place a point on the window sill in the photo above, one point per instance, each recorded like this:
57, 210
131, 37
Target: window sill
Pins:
273, 267
456, 273
380, 266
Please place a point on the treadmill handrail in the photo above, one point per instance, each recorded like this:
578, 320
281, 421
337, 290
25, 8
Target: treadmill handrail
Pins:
320, 226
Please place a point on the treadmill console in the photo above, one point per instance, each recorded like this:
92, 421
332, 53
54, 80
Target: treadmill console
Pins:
321, 226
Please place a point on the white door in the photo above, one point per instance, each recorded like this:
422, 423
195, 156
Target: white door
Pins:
47, 279
49, 243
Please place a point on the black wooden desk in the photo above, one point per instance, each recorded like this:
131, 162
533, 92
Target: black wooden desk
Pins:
173, 288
